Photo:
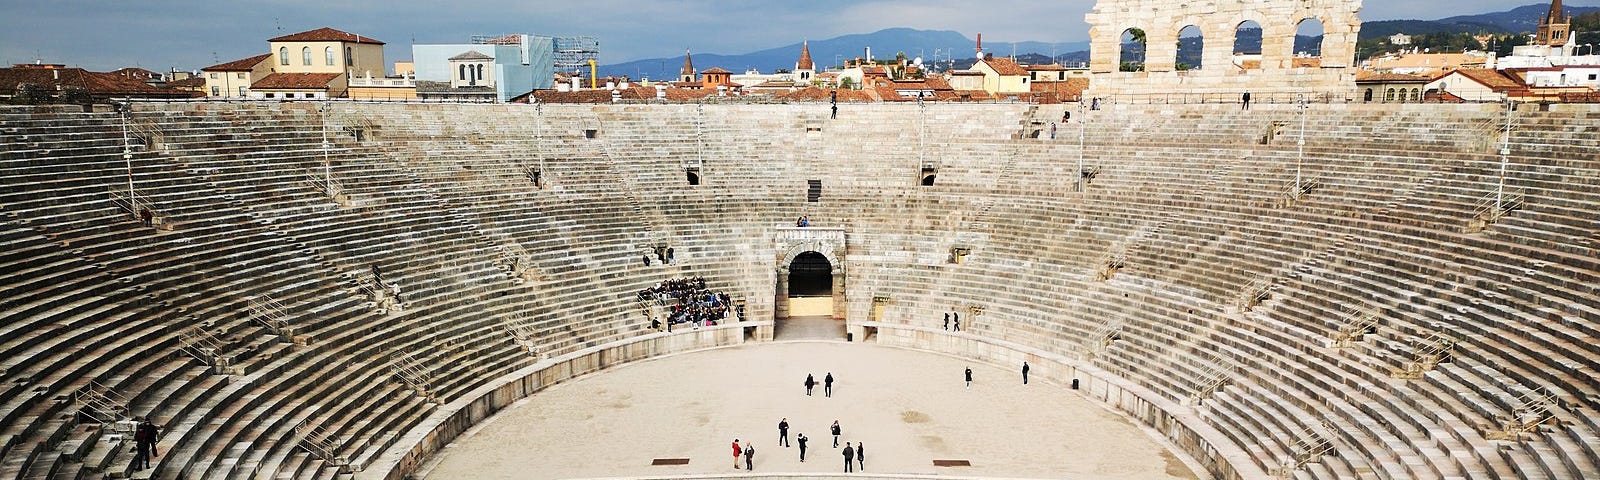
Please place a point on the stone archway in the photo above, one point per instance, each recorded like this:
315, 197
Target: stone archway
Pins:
793, 243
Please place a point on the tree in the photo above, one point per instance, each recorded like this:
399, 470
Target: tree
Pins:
847, 83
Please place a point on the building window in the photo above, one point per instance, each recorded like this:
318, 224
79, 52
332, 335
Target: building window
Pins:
463, 73
270, 94
328, 54
283, 55
305, 56
240, 75
349, 57
213, 75
480, 72
1388, 96
244, 91
216, 91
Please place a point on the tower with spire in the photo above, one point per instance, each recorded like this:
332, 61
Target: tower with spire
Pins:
1554, 27
688, 74
804, 69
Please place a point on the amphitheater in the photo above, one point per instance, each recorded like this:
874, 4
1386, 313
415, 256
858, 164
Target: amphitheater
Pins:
1393, 314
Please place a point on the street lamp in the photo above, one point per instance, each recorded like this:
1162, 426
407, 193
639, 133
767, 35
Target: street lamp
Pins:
127, 157
1300, 159
1083, 130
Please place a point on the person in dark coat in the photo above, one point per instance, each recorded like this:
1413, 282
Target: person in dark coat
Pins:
801, 439
957, 317
810, 382
946, 320
969, 377
147, 216
1246, 100
144, 438
1024, 373
827, 385
783, 432
835, 430
749, 457
849, 456
861, 456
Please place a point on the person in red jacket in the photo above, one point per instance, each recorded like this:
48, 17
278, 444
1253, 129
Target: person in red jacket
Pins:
737, 450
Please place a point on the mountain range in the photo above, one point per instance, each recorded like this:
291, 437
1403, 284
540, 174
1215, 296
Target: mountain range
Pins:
950, 46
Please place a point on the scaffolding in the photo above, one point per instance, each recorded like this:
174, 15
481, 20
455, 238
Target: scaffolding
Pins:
574, 53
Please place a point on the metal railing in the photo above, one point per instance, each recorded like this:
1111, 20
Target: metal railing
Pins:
1425, 355
269, 313
319, 443
100, 403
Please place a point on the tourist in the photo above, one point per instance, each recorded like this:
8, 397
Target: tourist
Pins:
849, 455
801, 439
947, 321
835, 430
969, 378
1067, 114
1024, 373
956, 325
1052, 130
1246, 100
736, 451
749, 456
144, 439
394, 289
827, 386
810, 382
783, 432
861, 456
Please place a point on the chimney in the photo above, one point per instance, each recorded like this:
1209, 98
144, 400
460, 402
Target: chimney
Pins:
661, 91
980, 45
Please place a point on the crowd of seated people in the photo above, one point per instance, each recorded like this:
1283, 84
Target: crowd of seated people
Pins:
687, 301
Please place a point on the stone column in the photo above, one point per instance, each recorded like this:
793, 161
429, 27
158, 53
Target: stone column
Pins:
1160, 51
839, 303
780, 305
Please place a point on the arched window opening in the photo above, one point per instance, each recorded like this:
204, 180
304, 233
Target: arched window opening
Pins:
1388, 96
463, 70
305, 56
1367, 97
283, 55
327, 54
1191, 48
1308, 43
349, 57
1247, 45
1133, 47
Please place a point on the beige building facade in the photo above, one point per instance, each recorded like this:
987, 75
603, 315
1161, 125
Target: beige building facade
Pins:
326, 50
233, 79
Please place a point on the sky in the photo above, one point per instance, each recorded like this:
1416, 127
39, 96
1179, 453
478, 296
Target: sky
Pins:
189, 34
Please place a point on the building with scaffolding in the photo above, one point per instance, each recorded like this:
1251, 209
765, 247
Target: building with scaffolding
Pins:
520, 63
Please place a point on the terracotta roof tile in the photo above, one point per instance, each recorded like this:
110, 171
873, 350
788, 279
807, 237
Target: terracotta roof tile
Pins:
1376, 77
805, 62
1490, 78
240, 65
1005, 66
93, 83
716, 70
326, 34
295, 81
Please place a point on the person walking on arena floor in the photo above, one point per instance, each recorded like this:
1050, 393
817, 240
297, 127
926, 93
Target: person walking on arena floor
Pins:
783, 432
1024, 373
861, 456
736, 451
849, 456
835, 430
827, 385
969, 378
749, 457
810, 382
801, 439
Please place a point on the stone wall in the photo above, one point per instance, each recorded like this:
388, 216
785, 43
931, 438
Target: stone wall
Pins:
1218, 21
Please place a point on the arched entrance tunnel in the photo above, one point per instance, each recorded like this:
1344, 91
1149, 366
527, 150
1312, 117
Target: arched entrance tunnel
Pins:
810, 285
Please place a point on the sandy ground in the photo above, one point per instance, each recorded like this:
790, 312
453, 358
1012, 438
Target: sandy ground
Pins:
908, 407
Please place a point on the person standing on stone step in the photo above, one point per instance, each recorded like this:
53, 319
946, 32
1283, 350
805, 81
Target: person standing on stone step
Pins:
861, 456
144, 440
835, 430
827, 385
849, 456
801, 439
969, 378
749, 457
810, 382
1024, 373
147, 216
1246, 100
1052, 130
947, 321
737, 450
783, 432
956, 318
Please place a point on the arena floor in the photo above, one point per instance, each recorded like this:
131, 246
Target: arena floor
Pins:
909, 407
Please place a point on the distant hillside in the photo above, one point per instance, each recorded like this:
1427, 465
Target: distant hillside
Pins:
1517, 20
885, 44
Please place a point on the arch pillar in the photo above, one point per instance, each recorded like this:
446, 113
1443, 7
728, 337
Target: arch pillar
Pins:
791, 242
